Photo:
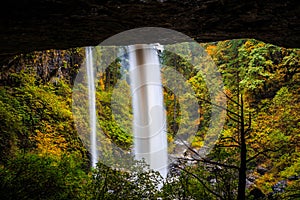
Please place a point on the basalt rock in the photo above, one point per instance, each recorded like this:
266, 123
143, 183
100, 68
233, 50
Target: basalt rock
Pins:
261, 170
61, 24
256, 193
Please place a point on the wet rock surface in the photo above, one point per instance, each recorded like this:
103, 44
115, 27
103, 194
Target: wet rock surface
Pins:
46, 24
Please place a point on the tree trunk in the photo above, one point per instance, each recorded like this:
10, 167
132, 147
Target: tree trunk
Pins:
243, 157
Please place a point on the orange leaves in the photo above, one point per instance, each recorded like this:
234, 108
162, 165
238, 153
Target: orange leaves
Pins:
249, 45
211, 49
101, 84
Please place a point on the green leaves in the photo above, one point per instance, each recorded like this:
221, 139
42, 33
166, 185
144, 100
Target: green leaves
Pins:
29, 176
111, 183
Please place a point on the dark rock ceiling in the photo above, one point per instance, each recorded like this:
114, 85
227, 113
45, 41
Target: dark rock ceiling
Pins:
29, 25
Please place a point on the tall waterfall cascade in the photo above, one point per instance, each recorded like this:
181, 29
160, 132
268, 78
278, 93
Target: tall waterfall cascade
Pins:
149, 117
92, 105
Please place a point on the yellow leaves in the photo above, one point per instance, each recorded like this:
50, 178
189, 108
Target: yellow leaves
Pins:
261, 44
49, 143
170, 139
251, 45
266, 182
60, 127
248, 43
198, 144
230, 132
48, 128
291, 170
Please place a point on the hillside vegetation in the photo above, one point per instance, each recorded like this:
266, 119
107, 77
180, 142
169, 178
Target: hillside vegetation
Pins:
43, 157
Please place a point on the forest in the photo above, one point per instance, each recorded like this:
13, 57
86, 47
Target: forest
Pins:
256, 156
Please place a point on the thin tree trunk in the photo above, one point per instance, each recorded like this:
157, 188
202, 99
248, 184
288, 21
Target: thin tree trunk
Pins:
243, 158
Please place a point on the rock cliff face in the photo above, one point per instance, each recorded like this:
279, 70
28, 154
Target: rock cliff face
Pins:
60, 24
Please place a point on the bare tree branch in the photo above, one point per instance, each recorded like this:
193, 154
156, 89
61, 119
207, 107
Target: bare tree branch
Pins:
233, 119
263, 152
231, 138
228, 146
217, 163
221, 107
205, 160
231, 99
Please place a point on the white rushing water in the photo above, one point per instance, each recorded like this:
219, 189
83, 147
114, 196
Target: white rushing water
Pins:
149, 126
149, 117
92, 105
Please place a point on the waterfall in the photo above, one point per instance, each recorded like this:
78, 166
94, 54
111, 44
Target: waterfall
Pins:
149, 117
92, 104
